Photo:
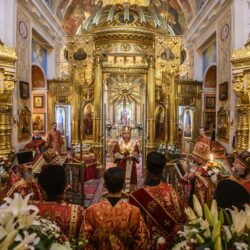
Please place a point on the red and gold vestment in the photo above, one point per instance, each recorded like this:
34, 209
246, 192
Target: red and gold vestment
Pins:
54, 140
69, 217
115, 227
161, 209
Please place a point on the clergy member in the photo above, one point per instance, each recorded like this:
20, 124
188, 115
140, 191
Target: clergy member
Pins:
113, 223
241, 170
54, 139
126, 154
196, 179
68, 216
21, 178
159, 203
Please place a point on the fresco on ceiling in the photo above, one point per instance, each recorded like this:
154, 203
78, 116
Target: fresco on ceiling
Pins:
209, 56
186, 9
173, 10
61, 8
199, 4
78, 12
74, 15
39, 55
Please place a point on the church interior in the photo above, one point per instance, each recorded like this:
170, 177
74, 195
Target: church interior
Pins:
117, 109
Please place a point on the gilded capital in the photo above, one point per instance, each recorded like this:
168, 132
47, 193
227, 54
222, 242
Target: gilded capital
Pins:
150, 61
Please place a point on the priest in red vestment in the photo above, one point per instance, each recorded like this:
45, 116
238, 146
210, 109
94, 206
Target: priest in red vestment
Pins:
126, 154
21, 178
68, 216
196, 180
159, 203
203, 137
113, 223
54, 139
241, 170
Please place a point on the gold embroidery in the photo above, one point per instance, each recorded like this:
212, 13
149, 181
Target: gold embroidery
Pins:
151, 206
16, 185
73, 221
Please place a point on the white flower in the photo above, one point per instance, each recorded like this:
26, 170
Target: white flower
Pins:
214, 179
239, 221
241, 246
26, 220
28, 242
18, 205
247, 211
8, 240
182, 245
228, 233
197, 206
190, 213
57, 246
161, 241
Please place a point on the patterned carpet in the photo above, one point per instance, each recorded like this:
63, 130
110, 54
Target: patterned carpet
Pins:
94, 189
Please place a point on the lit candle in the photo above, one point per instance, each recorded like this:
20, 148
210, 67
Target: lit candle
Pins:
211, 157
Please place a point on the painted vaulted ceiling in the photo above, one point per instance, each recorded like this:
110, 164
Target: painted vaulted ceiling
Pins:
73, 12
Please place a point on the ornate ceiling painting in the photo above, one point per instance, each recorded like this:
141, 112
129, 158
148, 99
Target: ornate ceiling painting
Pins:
74, 12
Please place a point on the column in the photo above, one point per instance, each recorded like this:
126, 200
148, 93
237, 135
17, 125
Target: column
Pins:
98, 100
151, 101
172, 112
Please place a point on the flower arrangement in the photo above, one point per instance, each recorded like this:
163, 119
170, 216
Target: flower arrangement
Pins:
213, 173
172, 152
22, 229
215, 229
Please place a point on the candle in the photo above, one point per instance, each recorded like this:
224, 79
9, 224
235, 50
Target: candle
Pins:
211, 157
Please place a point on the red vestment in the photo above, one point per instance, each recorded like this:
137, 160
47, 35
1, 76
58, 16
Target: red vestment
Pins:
54, 140
119, 227
122, 152
203, 138
162, 210
68, 217
24, 188
17, 184
199, 184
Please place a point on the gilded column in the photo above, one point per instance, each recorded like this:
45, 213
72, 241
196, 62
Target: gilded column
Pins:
75, 115
172, 112
97, 145
151, 101
7, 72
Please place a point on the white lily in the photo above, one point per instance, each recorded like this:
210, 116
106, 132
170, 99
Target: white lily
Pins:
239, 221
247, 211
8, 241
227, 233
190, 213
28, 242
18, 205
197, 206
205, 226
214, 212
7, 224
57, 246
26, 220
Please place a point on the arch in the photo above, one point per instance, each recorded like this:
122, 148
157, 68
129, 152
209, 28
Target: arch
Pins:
38, 77
210, 76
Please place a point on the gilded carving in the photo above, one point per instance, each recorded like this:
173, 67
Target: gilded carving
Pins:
7, 67
241, 83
